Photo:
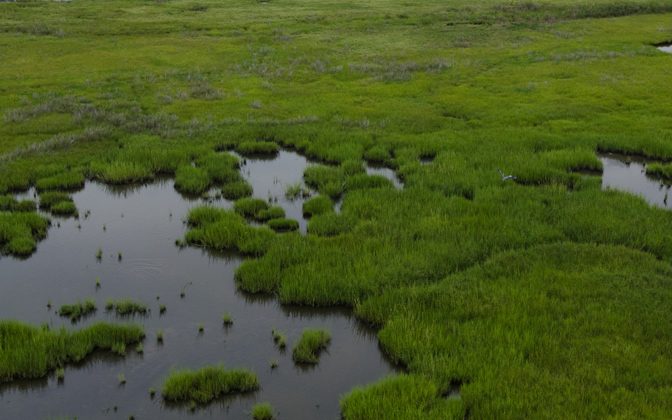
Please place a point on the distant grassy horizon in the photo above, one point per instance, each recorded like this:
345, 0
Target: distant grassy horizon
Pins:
541, 297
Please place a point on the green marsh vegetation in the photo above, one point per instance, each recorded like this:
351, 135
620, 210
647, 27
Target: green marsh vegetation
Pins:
207, 384
283, 225
310, 345
226, 230
126, 307
534, 89
77, 311
31, 352
262, 411
660, 170
317, 205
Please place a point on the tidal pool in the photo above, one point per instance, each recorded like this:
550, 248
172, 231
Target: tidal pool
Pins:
629, 174
142, 223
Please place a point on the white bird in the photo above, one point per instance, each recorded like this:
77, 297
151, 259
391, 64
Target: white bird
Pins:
505, 177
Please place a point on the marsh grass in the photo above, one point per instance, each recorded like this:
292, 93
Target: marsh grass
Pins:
257, 148
53, 198
78, 310
283, 225
67, 181
191, 180
660, 170
317, 205
20, 231
207, 384
274, 212
30, 352
296, 191
126, 307
309, 346
331, 224
250, 207
64, 208
262, 411
225, 230
227, 320
236, 190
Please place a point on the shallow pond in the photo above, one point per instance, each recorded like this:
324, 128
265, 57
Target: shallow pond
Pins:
629, 174
665, 48
142, 224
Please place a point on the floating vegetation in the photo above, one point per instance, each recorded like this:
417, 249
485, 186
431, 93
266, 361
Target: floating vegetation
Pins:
311, 343
207, 384
78, 310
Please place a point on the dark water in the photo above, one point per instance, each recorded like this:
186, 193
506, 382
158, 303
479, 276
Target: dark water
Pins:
142, 223
665, 48
270, 179
629, 174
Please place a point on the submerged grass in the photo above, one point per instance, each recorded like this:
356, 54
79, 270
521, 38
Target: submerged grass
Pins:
309, 346
207, 384
29, 352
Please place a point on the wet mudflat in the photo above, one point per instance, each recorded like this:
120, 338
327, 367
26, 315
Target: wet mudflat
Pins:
142, 223
629, 174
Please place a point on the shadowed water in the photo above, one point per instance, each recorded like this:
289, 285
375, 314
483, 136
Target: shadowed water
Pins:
629, 174
142, 224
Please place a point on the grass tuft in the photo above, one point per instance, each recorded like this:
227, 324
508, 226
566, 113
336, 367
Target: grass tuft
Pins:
207, 384
78, 310
311, 343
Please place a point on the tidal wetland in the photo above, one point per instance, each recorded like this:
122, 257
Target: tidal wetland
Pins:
381, 210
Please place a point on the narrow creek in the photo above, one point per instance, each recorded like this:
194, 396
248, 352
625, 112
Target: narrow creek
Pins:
142, 223
629, 174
